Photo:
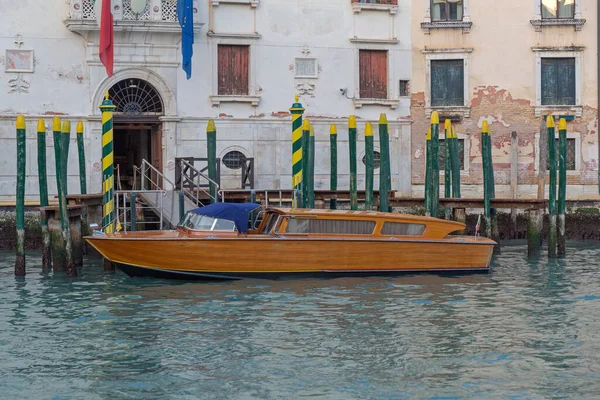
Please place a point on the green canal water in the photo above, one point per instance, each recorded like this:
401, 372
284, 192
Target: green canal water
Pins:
529, 330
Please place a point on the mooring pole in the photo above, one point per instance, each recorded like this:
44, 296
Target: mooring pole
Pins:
64, 155
455, 161
385, 173
485, 134
369, 166
108, 185
333, 163
305, 171
352, 147
20, 219
435, 163
81, 151
447, 160
43, 183
562, 185
70, 268
311, 168
56, 238
492, 186
211, 140
551, 187
297, 110
428, 172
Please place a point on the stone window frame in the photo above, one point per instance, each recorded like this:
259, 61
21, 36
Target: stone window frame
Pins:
357, 7
538, 22
558, 52
253, 97
570, 135
375, 44
465, 24
447, 54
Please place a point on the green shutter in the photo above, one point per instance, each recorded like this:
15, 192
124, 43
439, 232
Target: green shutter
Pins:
447, 83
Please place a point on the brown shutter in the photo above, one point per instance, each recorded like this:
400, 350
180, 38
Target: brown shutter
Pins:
233, 69
373, 74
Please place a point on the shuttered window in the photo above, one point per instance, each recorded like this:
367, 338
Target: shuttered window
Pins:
442, 153
558, 81
447, 83
233, 69
373, 74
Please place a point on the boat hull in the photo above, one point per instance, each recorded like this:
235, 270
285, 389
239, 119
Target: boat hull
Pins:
269, 257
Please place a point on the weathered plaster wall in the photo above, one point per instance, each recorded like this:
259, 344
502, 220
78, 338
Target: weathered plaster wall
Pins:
502, 90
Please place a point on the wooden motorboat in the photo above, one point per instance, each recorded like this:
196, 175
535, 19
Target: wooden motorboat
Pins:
215, 242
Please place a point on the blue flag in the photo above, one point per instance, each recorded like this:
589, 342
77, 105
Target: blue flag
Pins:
185, 15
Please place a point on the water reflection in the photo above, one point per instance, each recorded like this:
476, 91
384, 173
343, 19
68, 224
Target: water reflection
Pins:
528, 330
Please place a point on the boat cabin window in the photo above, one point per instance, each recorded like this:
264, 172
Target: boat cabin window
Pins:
203, 223
402, 229
270, 222
330, 226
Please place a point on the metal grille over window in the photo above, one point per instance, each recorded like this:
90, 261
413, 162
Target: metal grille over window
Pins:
136, 97
234, 159
330, 226
88, 9
402, 229
376, 159
169, 10
571, 154
461, 153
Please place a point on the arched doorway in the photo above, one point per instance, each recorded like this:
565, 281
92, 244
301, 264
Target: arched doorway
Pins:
137, 128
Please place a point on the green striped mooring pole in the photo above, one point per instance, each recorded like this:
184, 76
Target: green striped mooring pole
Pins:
43, 184
551, 187
562, 185
211, 140
297, 110
107, 109
352, 147
428, 172
81, 151
311, 168
20, 222
369, 166
485, 134
333, 163
435, 165
305, 171
385, 174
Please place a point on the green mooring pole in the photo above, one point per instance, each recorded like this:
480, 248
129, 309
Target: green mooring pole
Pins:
311, 168
81, 151
297, 110
64, 156
352, 147
43, 183
369, 166
333, 163
493, 214
447, 159
485, 134
435, 165
455, 162
62, 200
305, 171
211, 140
428, 172
20, 248
562, 185
385, 173
551, 187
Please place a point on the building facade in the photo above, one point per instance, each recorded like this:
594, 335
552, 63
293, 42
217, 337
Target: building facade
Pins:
251, 57
511, 63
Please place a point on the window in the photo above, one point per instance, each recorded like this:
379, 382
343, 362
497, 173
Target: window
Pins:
376, 159
234, 159
446, 10
558, 9
330, 226
233, 69
402, 229
447, 83
571, 154
391, 2
442, 153
373, 74
404, 88
558, 81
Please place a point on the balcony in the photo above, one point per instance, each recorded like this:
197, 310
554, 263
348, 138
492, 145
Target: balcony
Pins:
158, 16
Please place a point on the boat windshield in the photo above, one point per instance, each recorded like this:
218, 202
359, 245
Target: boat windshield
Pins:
199, 222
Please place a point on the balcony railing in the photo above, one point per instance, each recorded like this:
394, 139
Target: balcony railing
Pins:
156, 10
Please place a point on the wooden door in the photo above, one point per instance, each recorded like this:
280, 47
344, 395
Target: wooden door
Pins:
156, 155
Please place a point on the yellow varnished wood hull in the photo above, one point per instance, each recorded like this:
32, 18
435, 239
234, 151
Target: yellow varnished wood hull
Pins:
252, 256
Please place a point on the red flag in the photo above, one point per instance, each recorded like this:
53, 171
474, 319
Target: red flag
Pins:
107, 37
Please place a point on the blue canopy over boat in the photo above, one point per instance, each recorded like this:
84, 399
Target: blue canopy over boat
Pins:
236, 212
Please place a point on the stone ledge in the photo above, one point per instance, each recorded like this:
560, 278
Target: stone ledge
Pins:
538, 24
358, 103
543, 110
391, 8
464, 25
218, 99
